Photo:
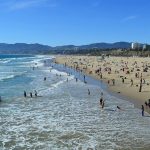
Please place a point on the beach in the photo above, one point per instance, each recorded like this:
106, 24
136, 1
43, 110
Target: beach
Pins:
121, 69
63, 115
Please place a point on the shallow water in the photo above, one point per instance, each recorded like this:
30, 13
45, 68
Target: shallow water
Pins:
64, 116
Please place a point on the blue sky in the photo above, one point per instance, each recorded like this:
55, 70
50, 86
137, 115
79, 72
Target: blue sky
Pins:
61, 22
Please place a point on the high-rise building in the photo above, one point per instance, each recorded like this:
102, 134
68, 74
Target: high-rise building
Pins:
135, 45
144, 46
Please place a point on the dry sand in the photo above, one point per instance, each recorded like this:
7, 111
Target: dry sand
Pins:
119, 69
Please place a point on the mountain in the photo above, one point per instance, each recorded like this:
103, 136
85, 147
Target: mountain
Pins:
23, 48
107, 45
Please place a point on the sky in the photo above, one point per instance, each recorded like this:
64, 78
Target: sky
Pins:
78, 22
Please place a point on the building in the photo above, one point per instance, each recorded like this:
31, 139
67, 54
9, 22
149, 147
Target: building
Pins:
144, 46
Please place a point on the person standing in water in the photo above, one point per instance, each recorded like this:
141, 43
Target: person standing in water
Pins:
25, 94
35, 93
102, 102
0, 98
84, 79
76, 79
31, 94
142, 110
88, 92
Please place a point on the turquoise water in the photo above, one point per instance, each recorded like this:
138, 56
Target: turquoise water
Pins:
63, 116
16, 73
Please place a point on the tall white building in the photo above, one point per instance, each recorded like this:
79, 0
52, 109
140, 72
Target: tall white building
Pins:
135, 45
144, 46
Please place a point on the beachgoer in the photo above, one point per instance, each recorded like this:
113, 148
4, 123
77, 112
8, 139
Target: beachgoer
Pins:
84, 78
131, 82
142, 110
35, 93
31, 94
149, 103
76, 79
44, 78
25, 94
122, 80
101, 101
140, 89
118, 108
0, 98
88, 92
113, 80
101, 76
103, 104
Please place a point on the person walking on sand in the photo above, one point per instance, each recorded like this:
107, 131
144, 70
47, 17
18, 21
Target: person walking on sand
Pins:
113, 80
131, 82
142, 110
122, 80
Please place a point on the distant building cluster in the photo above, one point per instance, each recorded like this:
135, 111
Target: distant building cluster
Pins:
138, 46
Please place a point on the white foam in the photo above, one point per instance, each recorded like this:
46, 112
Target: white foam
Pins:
9, 75
54, 71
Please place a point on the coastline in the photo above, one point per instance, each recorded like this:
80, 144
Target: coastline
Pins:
124, 91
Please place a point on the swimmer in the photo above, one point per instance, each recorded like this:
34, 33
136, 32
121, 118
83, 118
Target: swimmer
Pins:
118, 108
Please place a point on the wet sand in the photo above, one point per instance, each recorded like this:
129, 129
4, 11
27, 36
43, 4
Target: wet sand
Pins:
121, 70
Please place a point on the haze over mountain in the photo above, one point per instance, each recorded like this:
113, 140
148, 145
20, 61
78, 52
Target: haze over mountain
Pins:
24, 48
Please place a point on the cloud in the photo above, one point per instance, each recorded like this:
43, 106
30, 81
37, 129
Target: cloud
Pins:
129, 18
13, 5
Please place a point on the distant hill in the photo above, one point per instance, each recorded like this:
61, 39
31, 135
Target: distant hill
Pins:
23, 48
107, 45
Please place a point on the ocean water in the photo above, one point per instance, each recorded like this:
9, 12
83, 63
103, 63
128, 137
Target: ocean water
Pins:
63, 116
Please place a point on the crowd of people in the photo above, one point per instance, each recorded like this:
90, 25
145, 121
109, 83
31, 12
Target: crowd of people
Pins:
30, 94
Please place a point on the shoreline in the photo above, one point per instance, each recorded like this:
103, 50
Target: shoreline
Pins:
126, 93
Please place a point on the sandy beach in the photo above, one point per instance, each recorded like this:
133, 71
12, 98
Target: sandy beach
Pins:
57, 111
125, 76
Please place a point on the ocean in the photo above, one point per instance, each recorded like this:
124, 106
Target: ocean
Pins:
63, 116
